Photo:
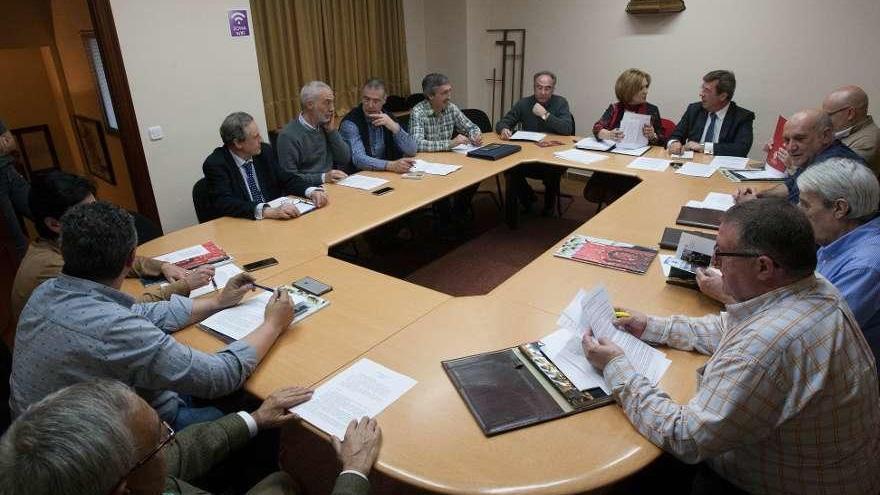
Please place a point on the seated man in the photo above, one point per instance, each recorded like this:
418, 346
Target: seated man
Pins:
50, 196
309, 145
807, 139
840, 198
848, 109
433, 123
99, 438
715, 125
376, 139
243, 175
787, 401
543, 112
79, 326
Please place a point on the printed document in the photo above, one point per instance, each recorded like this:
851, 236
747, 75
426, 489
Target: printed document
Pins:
433, 168
360, 181
631, 125
302, 205
183, 254
222, 274
527, 136
696, 169
653, 164
730, 162
364, 389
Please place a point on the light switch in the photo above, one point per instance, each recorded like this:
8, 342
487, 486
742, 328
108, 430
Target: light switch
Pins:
155, 133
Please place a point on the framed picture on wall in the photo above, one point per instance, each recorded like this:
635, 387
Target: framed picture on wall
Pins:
36, 150
93, 145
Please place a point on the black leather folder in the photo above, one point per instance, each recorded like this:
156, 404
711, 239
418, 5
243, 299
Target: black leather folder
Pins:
494, 151
700, 217
671, 236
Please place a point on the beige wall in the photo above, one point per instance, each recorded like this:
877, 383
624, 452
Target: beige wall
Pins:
185, 74
787, 54
414, 24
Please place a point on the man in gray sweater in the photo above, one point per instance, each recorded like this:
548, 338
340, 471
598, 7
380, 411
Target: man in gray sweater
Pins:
310, 145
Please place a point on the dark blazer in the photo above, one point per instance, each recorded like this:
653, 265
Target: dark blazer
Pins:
735, 138
228, 191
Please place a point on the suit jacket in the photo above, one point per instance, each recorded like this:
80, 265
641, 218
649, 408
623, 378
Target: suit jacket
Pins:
200, 447
735, 138
228, 191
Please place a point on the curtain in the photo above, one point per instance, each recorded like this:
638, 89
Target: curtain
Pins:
341, 42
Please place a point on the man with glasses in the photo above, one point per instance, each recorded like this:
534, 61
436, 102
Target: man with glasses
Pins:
99, 438
787, 400
376, 139
848, 109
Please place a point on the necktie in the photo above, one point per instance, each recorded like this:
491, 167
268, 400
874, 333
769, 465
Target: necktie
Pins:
710, 132
252, 182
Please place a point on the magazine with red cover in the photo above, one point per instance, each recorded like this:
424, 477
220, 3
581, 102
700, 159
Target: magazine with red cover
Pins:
776, 145
607, 253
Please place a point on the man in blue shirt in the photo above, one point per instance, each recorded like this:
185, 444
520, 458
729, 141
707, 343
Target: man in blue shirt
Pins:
808, 138
376, 139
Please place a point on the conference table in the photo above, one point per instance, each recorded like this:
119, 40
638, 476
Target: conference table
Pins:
430, 440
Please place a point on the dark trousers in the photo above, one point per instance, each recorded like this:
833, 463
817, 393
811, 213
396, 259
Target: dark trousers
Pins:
519, 191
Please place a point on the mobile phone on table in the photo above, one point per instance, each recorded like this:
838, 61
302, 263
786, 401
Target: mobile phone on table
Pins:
312, 286
256, 265
384, 190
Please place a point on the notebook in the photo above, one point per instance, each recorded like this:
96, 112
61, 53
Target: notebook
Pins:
195, 256
671, 236
494, 151
700, 217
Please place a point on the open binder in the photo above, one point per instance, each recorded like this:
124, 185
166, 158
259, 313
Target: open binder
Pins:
518, 387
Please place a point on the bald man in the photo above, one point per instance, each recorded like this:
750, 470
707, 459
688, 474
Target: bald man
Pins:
807, 138
848, 109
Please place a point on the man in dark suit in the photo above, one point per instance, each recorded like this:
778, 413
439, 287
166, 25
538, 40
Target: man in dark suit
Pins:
243, 175
715, 125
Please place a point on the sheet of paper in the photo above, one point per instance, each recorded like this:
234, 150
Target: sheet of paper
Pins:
302, 205
631, 125
718, 201
769, 173
696, 170
464, 148
364, 389
360, 181
730, 162
632, 152
664, 263
591, 143
434, 168
563, 347
593, 309
239, 321
685, 155
183, 254
694, 204
579, 156
222, 274
527, 136
653, 164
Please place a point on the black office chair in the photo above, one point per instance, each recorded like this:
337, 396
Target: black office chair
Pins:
202, 201
146, 229
606, 188
395, 103
481, 120
414, 99
403, 120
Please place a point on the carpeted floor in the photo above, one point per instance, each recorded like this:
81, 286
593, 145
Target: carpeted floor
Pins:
481, 258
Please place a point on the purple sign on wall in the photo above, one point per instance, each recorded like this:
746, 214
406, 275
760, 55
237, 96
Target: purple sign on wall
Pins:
238, 23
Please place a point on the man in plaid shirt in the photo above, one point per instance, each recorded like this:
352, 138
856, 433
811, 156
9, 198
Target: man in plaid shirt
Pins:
788, 399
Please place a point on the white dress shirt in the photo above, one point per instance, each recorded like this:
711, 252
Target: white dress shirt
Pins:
709, 147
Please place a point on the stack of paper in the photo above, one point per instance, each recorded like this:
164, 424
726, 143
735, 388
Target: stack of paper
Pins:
433, 168
769, 173
239, 321
631, 152
591, 143
364, 389
632, 125
653, 164
714, 201
302, 205
527, 136
593, 310
697, 169
730, 162
360, 181
579, 156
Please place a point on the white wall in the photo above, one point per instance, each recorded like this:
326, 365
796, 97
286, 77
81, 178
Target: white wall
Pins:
787, 54
186, 74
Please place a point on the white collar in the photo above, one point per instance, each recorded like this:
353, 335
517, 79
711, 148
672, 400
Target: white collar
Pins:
303, 121
239, 161
721, 113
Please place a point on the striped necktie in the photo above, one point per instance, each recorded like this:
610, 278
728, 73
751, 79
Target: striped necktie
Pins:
252, 181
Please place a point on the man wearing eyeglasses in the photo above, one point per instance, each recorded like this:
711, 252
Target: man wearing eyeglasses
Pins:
99, 438
787, 400
376, 139
848, 109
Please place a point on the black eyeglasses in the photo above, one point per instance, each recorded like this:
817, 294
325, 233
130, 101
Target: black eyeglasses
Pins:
165, 441
717, 255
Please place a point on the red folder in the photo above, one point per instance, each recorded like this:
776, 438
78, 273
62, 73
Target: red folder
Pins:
776, 145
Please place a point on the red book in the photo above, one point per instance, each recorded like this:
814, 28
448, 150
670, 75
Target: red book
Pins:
214, 255
776, 145
610, 254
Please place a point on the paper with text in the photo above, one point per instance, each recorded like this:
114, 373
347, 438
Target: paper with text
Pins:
360, 181
696, 170
563, 347
593, 309
632, 125
433, 168
222, 274
527, 136
769, 173
302, 206
730, 162
653, 164
364, 389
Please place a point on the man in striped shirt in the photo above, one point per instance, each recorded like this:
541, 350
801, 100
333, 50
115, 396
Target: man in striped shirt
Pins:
788, 399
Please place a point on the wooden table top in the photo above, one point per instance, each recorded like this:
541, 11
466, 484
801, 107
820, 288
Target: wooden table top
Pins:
430, 439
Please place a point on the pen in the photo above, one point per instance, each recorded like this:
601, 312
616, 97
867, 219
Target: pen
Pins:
214, 283
263, 287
